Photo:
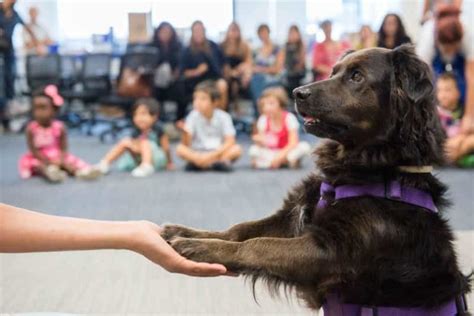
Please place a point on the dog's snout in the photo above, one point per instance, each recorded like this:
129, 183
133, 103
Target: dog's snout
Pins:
301, 93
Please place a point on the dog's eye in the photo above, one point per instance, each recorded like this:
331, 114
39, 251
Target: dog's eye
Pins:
357, 76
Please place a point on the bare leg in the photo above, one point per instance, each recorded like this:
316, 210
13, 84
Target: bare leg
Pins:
467, 146
71, 170
452, 147
192, 156
41, 170
232, 154
145, 151
119, 149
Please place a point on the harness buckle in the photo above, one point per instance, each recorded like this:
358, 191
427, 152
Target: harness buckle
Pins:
369, 311
393, 190
461, 304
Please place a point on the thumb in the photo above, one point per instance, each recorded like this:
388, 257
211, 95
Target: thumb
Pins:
202, 269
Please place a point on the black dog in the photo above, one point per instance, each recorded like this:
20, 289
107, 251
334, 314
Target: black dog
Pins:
377, 109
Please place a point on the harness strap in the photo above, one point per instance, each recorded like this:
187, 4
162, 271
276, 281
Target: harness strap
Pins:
461, 305
459, 302
392, 190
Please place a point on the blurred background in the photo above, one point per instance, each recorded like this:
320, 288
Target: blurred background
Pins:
103, 55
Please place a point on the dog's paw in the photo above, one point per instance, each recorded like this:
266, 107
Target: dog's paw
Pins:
193, 249
171, 231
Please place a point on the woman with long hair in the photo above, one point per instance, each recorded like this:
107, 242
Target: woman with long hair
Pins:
267, 66
238, 60
392, 32
294, 55
167, 84
202, 60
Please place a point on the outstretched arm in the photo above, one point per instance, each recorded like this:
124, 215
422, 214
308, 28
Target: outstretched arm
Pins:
27, 231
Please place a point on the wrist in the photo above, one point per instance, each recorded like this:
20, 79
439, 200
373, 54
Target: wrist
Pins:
136, 235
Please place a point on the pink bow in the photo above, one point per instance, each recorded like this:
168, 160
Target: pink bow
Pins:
52, 92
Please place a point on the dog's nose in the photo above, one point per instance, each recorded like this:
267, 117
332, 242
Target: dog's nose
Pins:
301, 93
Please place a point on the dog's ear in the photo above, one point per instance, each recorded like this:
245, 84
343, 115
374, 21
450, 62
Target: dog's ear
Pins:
347, 52
411, 76
414, 117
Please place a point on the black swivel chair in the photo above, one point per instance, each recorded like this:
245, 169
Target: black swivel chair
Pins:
42, 71
143, 60
93, 83
70, 71
70, 74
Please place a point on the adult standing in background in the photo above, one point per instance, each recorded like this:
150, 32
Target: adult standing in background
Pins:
327, 53
392, 32
9, 19
42, 36
167, 83
429, 8
202, 60
448, 46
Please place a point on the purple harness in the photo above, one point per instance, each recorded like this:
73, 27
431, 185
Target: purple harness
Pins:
392, 191
396, 192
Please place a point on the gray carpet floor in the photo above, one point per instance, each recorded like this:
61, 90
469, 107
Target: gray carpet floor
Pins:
121, 282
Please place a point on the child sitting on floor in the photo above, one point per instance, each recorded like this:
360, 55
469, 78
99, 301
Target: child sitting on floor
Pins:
276, 141
459, 146
48, 154
209, 135
147, 150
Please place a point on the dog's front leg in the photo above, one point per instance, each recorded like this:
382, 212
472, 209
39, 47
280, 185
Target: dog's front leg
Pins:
299, 260
286, 222
281, 224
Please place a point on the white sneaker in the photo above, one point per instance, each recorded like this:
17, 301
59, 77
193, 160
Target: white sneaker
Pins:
103, 167
144, 170
88, 173
55, 175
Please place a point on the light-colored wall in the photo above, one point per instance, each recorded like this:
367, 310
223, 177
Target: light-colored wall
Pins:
48, 14
278, 14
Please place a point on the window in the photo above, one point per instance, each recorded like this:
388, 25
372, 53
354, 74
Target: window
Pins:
78, 19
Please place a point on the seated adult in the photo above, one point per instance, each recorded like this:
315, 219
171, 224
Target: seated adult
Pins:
202, 60
392, 32
238, 61
167, 83
294, 58
267, 66
366, 38
327, 53
449, 47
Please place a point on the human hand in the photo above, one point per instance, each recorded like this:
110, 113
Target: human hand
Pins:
258, 139
170, 166
41, 50
146, 240
202, 69
467, 124
452, 147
